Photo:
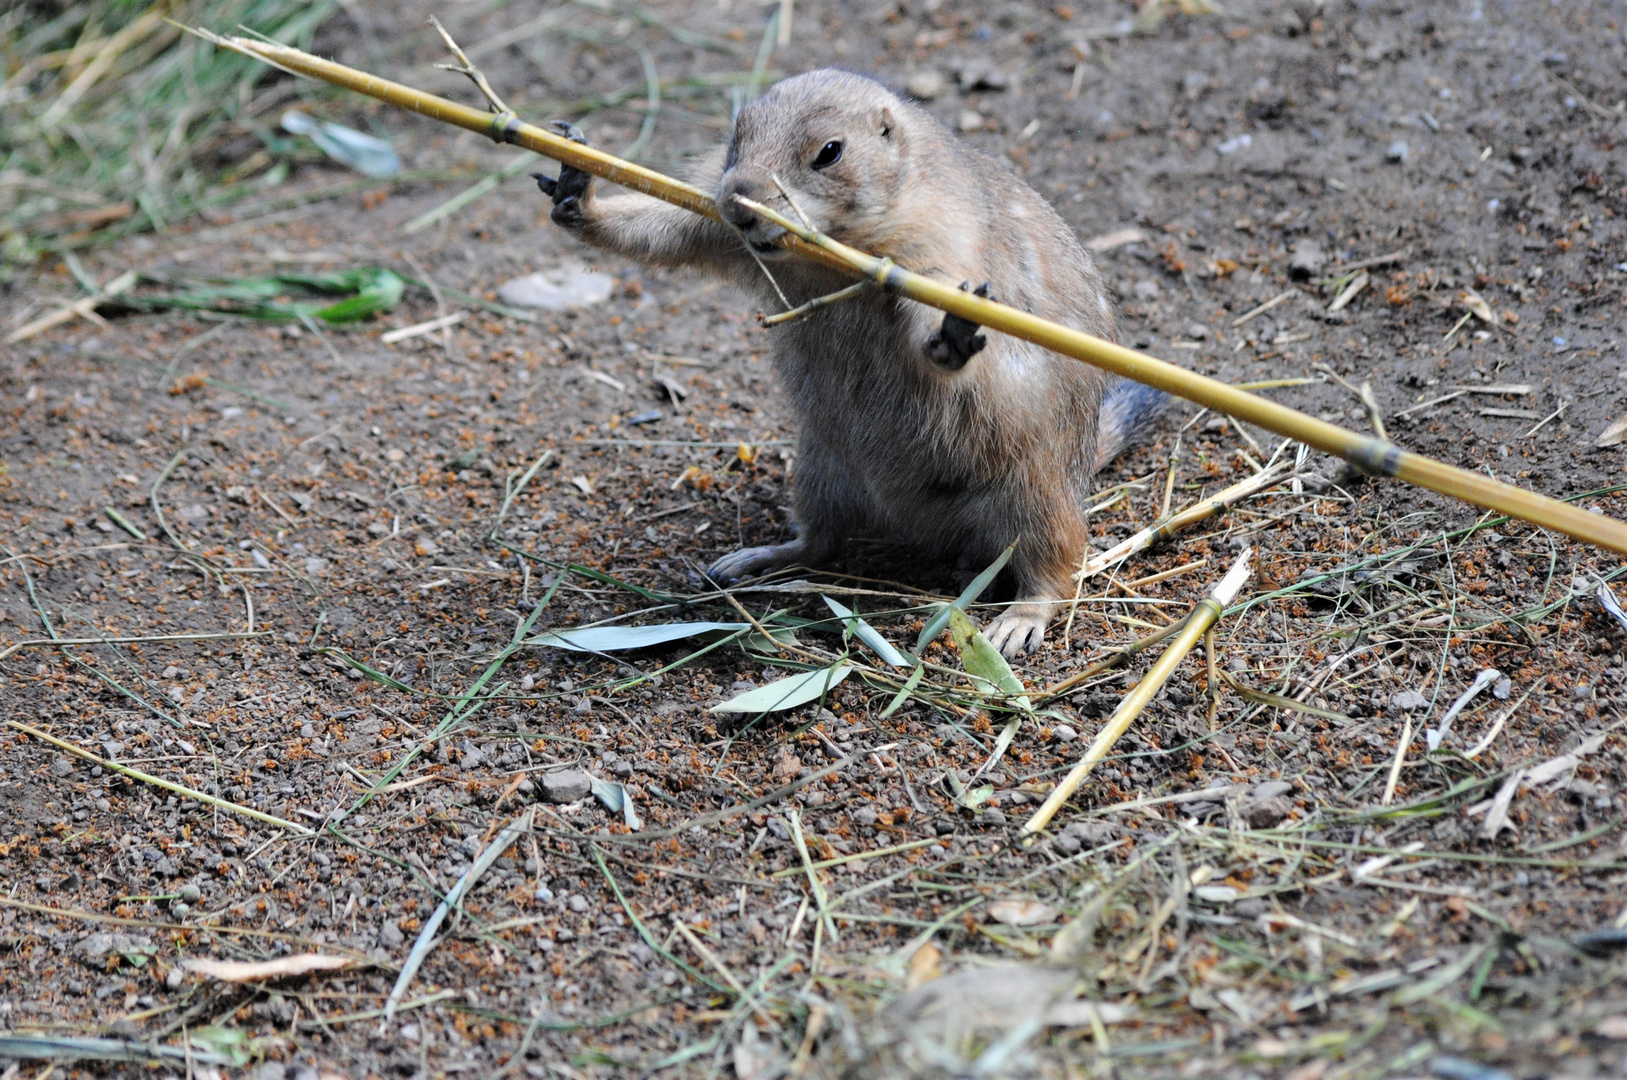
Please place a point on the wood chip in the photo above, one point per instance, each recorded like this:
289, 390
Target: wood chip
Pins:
1280, 298
1113, 240
242, 971
419, 329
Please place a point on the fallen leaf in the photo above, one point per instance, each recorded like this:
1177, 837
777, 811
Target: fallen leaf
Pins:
1024, 911
1557, 767
239, 971
1477, 304
1614, 434
787, 693
1113, 240
926, 964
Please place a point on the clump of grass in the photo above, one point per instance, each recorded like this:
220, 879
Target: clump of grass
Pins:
113, 121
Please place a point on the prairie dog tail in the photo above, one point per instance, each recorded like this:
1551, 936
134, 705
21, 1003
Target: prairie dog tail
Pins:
1128, 410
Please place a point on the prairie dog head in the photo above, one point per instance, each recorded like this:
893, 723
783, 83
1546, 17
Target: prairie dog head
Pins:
838, 144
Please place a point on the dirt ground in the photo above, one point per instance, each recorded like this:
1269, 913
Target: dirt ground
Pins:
1230, 895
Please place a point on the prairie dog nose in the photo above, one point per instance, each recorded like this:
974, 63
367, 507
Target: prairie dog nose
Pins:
735, 183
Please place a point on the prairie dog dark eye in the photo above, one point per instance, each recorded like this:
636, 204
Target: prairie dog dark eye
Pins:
829, 154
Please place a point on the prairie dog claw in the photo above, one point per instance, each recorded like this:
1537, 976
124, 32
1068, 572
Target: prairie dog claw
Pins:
957, 339
571, 187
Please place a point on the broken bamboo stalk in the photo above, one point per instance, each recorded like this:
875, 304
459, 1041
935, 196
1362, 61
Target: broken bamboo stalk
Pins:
1205, 615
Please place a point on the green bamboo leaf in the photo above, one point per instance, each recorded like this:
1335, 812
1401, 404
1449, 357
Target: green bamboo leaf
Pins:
869, 635
787, 693
983, 661
935, 625
904, 693
614, 638
377, 291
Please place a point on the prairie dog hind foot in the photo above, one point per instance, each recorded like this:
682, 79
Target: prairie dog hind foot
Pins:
1020, 629
752, 562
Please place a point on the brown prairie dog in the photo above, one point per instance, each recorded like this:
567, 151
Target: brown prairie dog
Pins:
912, 426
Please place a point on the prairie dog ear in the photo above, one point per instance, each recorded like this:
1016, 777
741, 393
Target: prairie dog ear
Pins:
886, 123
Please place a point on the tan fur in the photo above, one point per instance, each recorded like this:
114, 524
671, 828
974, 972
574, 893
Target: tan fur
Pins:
891, 444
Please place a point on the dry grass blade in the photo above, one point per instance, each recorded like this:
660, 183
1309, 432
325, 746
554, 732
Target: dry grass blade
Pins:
1201, 511
167, 785
454, 897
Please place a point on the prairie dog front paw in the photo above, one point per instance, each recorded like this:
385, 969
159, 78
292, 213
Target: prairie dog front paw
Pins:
572, 189
957, 339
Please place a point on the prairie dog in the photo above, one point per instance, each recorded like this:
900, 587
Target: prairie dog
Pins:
912, 426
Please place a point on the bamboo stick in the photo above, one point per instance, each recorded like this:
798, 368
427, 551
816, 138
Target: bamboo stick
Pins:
1372, 455
1205, 615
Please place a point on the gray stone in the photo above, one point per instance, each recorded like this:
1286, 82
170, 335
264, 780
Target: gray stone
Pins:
1308, 259
95, 946
1399, 152
390, 935
1264, 813
1271, 789
1089, 832
981, 75
1064, 733
62, 766
558, 291
1197, 331
565, 786
1408, 701
864, 815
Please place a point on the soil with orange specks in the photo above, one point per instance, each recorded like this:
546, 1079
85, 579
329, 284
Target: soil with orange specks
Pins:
330, 516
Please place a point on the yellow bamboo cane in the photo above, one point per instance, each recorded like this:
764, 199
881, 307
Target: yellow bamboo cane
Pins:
1378, 457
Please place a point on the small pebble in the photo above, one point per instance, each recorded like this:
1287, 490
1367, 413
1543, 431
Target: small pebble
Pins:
1399, 152
926, 84
970, 120
1408, 701
1064, 733
565, 786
